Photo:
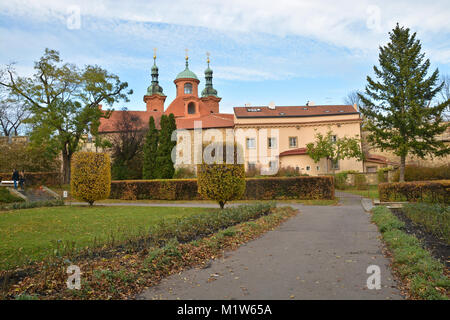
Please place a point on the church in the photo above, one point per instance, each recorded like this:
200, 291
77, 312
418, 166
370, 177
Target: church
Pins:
271, 136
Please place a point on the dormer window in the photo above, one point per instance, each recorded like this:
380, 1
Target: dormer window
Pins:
188, 88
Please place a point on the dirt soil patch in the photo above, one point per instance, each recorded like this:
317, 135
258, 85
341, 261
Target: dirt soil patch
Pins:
438, 248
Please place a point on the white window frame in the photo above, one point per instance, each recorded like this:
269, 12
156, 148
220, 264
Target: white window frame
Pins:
296, 142
273, 144
250, 146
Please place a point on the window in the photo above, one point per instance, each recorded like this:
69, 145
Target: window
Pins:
251, 166
191, 108
292, 142
188, 88
308, 168
271, 143
371, 169
333, 138
251, 143
318, 168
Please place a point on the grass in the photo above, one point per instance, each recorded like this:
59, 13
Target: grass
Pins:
32, 234
372, 193
7, 197
128, 272
423, 275
435, 218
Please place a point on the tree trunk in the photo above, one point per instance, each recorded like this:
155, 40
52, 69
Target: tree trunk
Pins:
402, 168
66, 167
222, 204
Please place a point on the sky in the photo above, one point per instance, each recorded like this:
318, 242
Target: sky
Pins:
288, 52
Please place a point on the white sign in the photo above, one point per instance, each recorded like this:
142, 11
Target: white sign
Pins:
64, 194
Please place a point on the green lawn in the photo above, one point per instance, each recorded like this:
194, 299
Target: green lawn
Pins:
371, 193
31, 234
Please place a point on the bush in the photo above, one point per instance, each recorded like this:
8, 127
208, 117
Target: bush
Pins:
91, 176
381, 174
22, 156
304, 188
184, 173
37, 178
360, 181
7, 197
435, 218
419, 191
221, 182
419, 173
33, 204
288, 172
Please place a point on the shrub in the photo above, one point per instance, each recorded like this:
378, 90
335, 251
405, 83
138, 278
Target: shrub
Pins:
7, 197
360, 181
419, 191
288, 172
91, 176
33, 204
37, 178
184, 173
420, 173
381, 174
221, 182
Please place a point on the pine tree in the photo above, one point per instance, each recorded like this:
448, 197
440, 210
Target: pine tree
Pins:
164, 163
399, 107
149, 169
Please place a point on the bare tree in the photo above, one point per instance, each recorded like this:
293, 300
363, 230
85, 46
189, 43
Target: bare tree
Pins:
13, 112
445, 94
353, 98
127, 146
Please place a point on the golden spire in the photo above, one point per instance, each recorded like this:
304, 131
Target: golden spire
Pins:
207, 57
154, 53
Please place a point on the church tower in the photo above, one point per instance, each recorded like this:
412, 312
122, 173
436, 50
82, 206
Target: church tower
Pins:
155, 97
209, 94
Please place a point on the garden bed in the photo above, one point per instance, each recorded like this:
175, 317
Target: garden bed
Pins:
438, 248
134, 267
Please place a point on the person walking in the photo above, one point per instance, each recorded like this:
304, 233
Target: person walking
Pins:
15, 178
22, 179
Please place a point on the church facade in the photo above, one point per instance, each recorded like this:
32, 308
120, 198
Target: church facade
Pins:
271, 136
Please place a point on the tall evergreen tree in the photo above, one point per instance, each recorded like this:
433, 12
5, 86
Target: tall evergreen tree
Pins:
401, 114
164, 163
149, 168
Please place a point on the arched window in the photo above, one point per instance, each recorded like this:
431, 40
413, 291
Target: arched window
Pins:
191, 108
188, 88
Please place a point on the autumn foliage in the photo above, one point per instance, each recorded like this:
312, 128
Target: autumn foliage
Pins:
91, 176
221, 182
417, 191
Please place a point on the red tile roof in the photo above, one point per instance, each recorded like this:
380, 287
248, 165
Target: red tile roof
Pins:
213, 120
293, 111
109, 125
298, 151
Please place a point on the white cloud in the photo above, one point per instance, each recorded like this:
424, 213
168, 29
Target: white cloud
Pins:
344, 23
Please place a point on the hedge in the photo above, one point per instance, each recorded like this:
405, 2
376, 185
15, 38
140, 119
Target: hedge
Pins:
256, 188
416, 191
37, 178
420, 173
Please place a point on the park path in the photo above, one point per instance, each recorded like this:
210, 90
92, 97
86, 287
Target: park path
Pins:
322, 253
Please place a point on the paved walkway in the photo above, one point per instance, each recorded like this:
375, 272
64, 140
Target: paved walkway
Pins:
322, 253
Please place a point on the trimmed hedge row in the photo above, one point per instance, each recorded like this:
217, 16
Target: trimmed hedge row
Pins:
256, 188
37, 178
417, 191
